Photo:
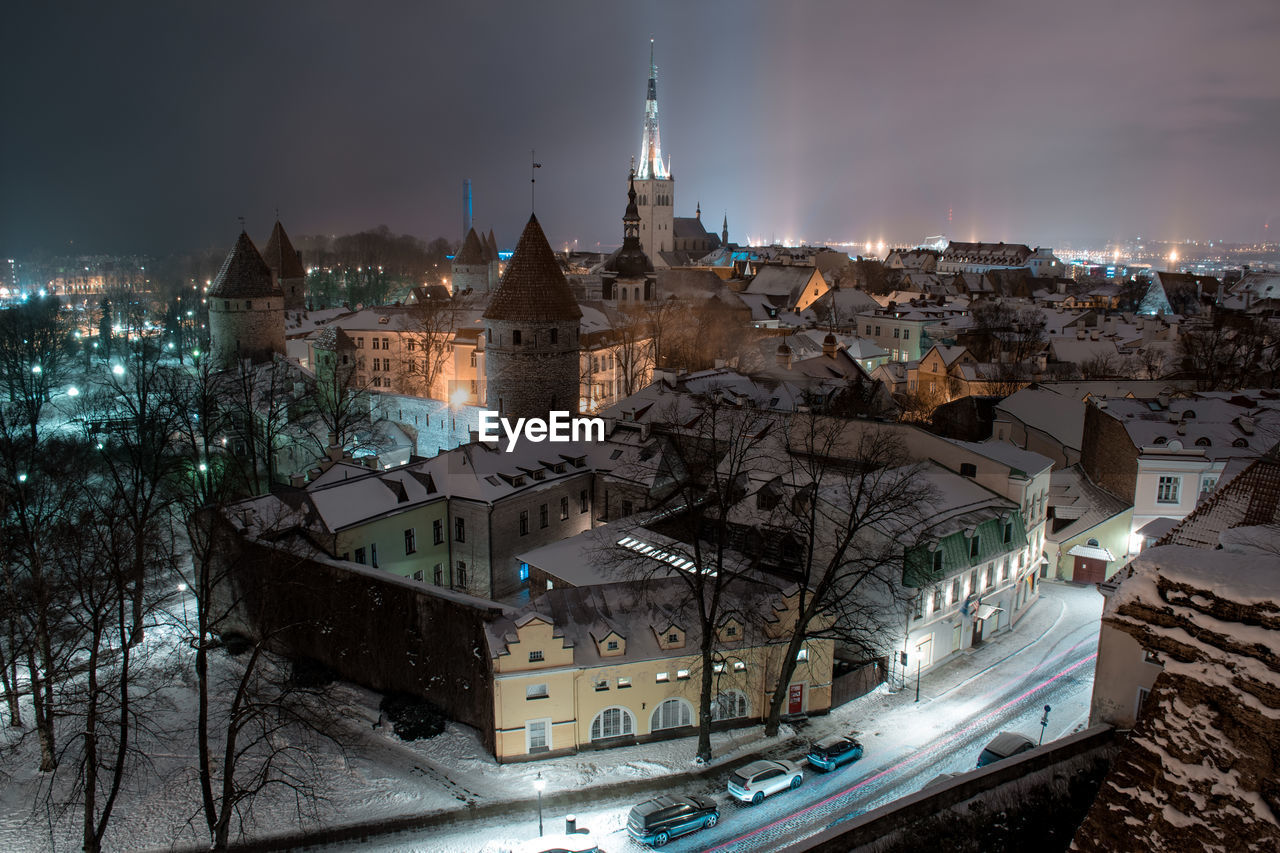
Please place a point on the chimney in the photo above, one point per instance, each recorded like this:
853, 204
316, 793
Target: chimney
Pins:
297, 480
1093, 335
784, 356
830, 346
1080, 333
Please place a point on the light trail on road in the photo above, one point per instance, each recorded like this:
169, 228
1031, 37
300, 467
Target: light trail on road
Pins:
927, 752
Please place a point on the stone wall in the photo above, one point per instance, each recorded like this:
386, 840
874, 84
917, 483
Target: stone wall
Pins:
255, 332
533, 377
1107, 453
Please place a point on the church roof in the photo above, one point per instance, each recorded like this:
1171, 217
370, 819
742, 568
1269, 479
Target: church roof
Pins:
280, 255
491, 245
533, 288
244, 274
472, 252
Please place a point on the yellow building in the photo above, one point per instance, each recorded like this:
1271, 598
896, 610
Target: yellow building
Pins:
615, 664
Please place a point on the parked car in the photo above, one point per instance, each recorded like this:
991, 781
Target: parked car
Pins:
579, 842
830, 753
759, 779
661, 819
1005, 745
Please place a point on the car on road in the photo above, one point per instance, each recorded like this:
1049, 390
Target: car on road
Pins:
757, 780
657, 821
1005, 745
829, 753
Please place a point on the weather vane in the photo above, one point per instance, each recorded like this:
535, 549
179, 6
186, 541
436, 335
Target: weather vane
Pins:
533, 182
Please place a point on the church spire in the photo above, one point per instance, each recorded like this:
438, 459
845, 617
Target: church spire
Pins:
651, 163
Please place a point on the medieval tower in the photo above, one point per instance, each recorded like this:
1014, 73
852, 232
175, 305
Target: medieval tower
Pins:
246, 309
286, 267
531, 334
655, 188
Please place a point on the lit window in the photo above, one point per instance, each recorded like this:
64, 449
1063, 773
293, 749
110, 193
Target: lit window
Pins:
662, 676
624, 682
739, 666
1167, 490
682, 673
803, 654
535, 691
718, 668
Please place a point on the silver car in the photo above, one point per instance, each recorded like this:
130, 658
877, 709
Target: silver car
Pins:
757, 780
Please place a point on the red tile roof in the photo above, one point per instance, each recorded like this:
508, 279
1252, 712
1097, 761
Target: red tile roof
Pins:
244, 274
533, 288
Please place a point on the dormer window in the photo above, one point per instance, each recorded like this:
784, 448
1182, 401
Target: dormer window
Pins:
535, 657
611, 646
673, 638
731, 631
973, 545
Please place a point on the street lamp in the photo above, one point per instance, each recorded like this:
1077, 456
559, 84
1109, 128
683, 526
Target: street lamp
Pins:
1044, 721
118, 370
182, 591
538, 784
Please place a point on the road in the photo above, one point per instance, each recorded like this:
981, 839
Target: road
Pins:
961, 707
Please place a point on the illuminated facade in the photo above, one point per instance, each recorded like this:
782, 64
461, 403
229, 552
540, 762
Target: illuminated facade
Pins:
654, 186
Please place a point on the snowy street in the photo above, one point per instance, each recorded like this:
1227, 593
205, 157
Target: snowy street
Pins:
1002, 686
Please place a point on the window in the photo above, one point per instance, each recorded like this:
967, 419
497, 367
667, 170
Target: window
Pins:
359, 343
1008, 532
1151, 657
410, 345
877, 331
662, 677
612, 722
535, 656
729, 705
955, 590
583, 504
542, 515
459, 530
439, 574
973, 582
731, 631
671, 714
919, 606
1207, 485
937, 561
682, 675
1004, 569
524, 571
536, 735
718, 668
623, 682
906, 334
360, 556
473, 358
868, 329
437, 531
417, 575
373, 555
896, 333
968, 469
973, 545
564, 508
611, 646
673, 638
937, 599
626, 507
524, 522
1167, 490
535, 691
991, 576
1143, 693
602, 684
460, 575
739, 666
802, 655
248, 304
515, 337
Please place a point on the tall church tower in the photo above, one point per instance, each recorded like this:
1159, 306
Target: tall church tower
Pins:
655, 188
531, 335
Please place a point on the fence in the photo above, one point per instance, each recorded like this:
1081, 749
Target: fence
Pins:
857, 682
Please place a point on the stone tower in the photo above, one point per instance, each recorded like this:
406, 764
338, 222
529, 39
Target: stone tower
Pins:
286, 269
246, 309
655, 188
627, 278
471, 265
531, 334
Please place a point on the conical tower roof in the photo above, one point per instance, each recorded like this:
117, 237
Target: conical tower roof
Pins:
533, 288
472, 251
280, 255
492, 245
244, 274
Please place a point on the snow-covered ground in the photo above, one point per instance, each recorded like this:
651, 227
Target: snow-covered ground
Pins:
962, 703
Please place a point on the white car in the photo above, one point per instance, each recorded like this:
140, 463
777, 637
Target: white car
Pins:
759, 779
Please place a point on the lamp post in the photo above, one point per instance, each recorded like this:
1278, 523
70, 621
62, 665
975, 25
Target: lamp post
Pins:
1044, 721
538, 784
919, 657
182, 591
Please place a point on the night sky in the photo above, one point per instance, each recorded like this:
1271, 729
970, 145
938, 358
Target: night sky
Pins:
153, 131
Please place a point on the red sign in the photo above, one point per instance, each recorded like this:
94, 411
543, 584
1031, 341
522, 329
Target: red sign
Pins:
795, 699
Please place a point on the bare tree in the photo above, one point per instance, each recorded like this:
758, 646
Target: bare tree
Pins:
428, 340
35, 354
851, 500
260, 403
634, 350
712, 445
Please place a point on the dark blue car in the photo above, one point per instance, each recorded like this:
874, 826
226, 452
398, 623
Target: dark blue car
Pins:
832, 752
659, 820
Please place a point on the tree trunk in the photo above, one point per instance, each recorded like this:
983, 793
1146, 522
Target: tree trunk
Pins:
780, 689
704, 701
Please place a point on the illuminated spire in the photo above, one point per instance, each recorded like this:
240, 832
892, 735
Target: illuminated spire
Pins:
651, 164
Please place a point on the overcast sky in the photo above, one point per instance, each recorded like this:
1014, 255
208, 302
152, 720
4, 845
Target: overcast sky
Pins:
130, 130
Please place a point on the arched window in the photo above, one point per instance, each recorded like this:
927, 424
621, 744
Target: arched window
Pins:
1204, 441
671, 714
613, 722
729, 705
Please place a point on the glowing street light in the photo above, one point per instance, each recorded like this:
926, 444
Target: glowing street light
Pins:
538, 784
73, 391
118, 369
37, 369
182, 592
